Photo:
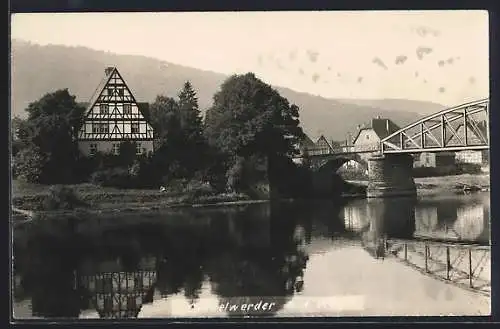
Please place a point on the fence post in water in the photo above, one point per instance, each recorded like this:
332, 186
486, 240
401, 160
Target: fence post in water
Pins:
470, 267
406, 252
448, 264
426, 252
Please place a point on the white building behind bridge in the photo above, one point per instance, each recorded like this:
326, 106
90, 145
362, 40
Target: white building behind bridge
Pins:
369, 136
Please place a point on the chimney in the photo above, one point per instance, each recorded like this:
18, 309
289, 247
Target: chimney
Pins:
378, 116
108, 70
387, 125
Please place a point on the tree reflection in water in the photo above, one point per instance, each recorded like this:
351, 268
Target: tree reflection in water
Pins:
247, 254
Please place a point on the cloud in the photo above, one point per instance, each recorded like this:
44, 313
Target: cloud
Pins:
450, 60
421, 51
292, 55
379, 62
441, 63
425, 31
401, 59
442, 89
360, 79
315, 77
313, 55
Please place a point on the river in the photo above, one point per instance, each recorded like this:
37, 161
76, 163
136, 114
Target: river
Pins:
288, 259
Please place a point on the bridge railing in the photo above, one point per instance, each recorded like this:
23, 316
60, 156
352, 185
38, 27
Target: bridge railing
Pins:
366, 148
373, 147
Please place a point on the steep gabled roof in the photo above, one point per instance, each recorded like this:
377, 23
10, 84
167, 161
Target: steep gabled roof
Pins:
384, 127
143, 106
381, 127
324, 140
307, 141
100, 87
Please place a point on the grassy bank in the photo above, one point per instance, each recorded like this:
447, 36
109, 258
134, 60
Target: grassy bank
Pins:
450, 184
31, 197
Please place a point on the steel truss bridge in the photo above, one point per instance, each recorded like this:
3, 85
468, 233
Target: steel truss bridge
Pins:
464, 127
465, 265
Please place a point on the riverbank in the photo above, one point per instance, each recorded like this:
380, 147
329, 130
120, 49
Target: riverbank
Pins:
451, 184
428, 186
30, 197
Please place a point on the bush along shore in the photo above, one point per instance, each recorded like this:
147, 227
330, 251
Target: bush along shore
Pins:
34, 198
95, 198
452, 184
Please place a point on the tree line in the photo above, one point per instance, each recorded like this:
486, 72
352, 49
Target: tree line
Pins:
245, 142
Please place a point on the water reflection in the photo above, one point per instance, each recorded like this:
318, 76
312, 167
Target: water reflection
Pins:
200, 262
112, 289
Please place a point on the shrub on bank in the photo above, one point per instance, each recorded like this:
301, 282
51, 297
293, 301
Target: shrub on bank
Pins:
115, 177
62, 197
457, 169
469, 168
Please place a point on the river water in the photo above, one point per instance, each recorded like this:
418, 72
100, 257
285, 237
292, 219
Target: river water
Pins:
286, 259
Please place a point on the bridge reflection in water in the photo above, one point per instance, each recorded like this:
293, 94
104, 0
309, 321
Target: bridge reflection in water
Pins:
447, 239
190, 262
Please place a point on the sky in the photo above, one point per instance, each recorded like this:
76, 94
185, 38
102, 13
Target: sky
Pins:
439, 56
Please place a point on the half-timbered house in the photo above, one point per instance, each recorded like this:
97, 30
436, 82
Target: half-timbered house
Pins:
114, 116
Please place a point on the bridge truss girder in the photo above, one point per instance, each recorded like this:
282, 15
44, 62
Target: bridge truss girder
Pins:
464, 127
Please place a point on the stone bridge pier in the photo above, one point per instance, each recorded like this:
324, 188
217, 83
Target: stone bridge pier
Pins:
390, 175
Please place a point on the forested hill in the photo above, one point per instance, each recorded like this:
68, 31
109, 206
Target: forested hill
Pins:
37, 70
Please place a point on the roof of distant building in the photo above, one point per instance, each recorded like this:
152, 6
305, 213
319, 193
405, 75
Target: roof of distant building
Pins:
381, 127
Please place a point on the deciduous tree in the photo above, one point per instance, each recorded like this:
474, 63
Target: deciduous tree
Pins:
50, 132
248, 118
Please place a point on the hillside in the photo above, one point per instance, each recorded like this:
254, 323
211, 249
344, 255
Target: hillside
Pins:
398, 105
37, 70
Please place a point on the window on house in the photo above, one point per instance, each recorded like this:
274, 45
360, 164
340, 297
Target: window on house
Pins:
120, 92
115, 148
134, 128
93, 149
127, 109
110, 91
138, 149
103, 128
103, 108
